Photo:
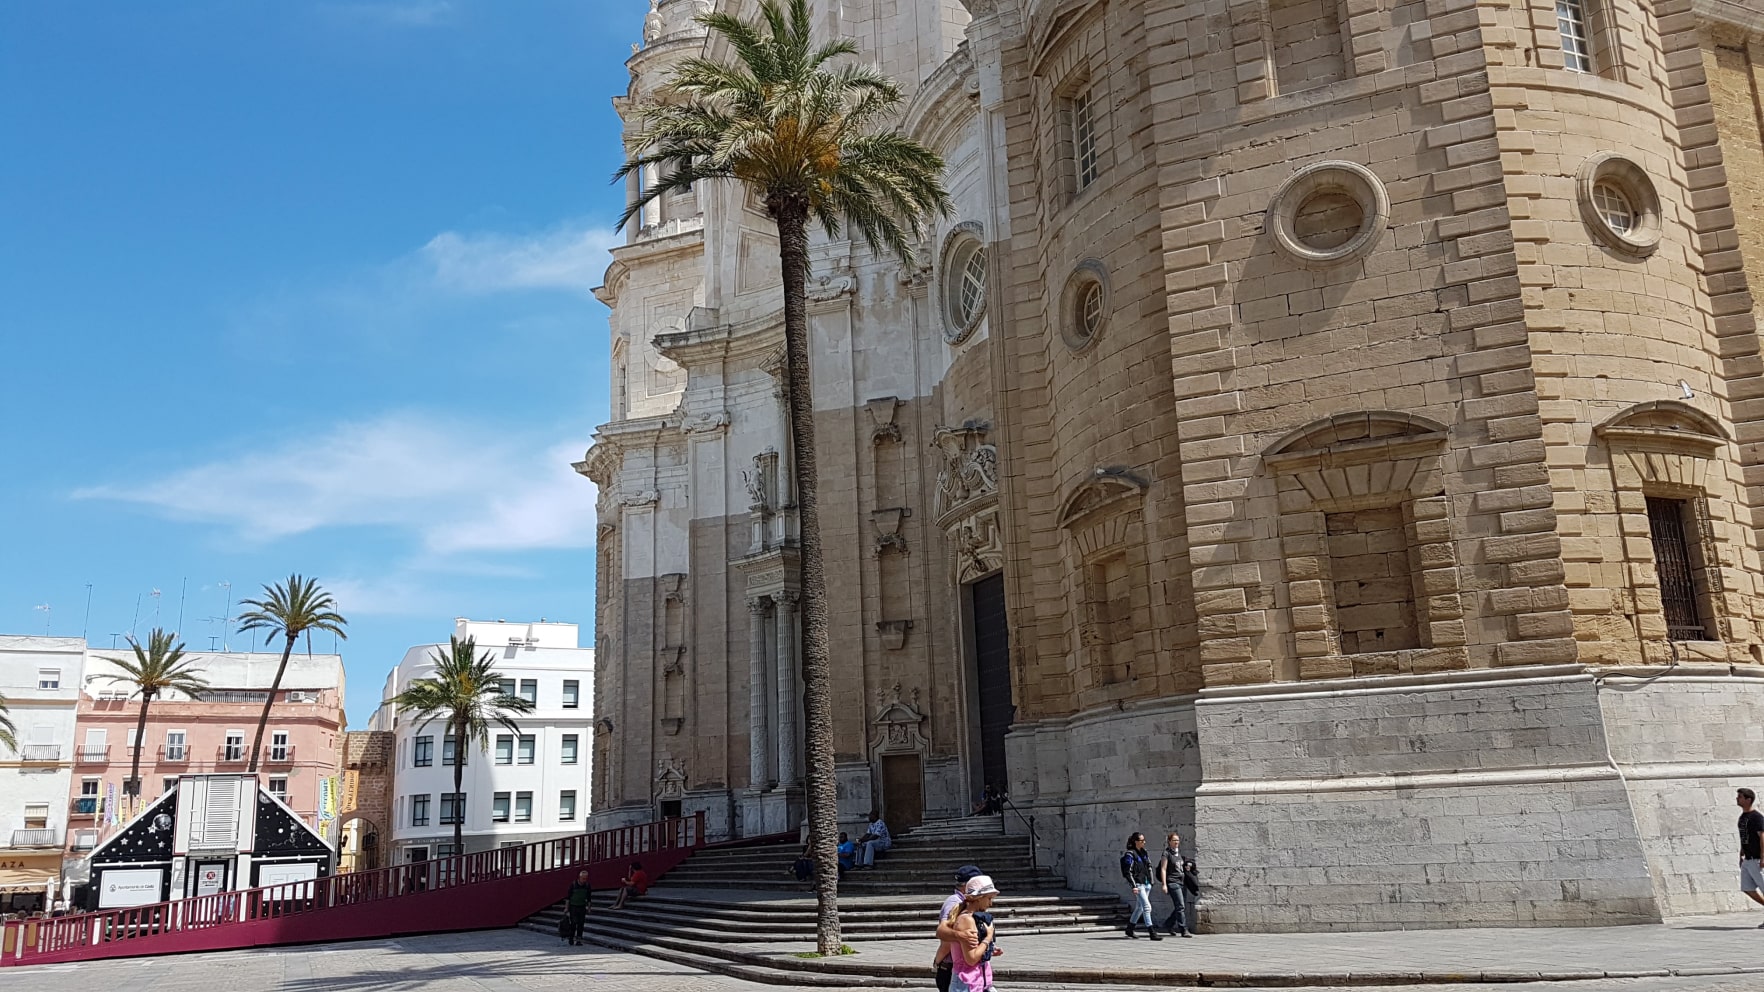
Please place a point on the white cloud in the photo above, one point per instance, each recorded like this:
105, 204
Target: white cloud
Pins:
572, 258
456, 487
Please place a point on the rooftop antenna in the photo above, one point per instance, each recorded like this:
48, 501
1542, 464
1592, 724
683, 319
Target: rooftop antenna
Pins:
135, 624
113, 638
155, 595
212, 638
227, 620
86, 624
47, 612
181, 592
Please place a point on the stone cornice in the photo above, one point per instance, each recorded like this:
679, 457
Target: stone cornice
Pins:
1748, 17
750, 340
944, 101
645, 249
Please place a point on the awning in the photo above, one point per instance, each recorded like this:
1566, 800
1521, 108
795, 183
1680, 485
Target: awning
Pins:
29, 870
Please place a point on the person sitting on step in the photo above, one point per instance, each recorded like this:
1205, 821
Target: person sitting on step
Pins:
635, 883
873, 843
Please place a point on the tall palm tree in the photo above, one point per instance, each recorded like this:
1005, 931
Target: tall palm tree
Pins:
466, 693
154, 670
287, 610
8, 732
811, 138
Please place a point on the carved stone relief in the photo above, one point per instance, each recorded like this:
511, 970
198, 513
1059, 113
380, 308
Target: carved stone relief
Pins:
882, 425
898, 725
670, 778
970, 467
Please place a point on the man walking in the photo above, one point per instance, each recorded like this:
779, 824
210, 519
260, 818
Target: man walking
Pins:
1170, 876
1751, 831
948, 937
578, 899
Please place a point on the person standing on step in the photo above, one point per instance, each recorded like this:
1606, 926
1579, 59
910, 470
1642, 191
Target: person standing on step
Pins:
577, 903
874, 842
1751, 831
1170, 878
1136, 868
976, 941
948, 938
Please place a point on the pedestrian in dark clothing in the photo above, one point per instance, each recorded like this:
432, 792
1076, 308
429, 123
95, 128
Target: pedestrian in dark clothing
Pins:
1751, 831
804, 865
577, 900
1136, 868
1170, 879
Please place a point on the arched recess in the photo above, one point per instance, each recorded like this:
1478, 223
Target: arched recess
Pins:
1665, 469
1103, 520
1372, 583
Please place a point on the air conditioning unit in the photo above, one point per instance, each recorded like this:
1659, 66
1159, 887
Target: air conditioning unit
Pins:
298, 697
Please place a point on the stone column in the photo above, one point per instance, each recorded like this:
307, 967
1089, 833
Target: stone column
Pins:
787, 694
651, 210
633, 189
759, 729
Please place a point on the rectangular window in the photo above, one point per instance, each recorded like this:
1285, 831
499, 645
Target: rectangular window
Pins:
569, 749
449, 750
234, 750
36, 816
422, 753
168, 784
572, 694
278, 787
175, 748
1084, 155
1676, 568
453, 807
89, 786
444, 851
529, 747
523, 812
49, 678
530, 691
419, 811
506, 687
132, 737
1571, 23
566, 804
499, 808
1372, 581
279, 749
505, 749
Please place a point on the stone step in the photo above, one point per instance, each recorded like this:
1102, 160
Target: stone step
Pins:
865, 886
899, 926
772, 907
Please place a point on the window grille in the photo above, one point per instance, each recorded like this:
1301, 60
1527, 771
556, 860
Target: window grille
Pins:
1084, 137
1672, 562
1571, 22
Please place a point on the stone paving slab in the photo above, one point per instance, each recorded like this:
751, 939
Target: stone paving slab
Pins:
1700, 946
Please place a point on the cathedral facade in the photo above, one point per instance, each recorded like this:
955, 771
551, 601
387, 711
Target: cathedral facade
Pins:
1327, 428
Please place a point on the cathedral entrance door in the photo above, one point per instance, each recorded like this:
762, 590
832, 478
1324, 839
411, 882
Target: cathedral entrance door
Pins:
992, 658
903, 791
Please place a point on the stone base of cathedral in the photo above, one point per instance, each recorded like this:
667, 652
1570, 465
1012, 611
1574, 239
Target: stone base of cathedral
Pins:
1563, 796
772, 811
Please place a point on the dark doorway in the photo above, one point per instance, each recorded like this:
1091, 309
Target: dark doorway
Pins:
992, 658
903, 791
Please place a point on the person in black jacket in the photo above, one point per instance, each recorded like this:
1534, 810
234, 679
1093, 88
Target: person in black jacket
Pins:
577, 900
1136, 868
1171, 876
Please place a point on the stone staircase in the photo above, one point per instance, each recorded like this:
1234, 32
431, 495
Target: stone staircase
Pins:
723, 907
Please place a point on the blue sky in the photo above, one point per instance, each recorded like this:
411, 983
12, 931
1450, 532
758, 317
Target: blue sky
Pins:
304, 287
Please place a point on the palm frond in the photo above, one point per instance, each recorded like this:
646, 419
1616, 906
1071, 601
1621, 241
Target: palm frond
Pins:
465, 690
156, 668
8, 731
289, 609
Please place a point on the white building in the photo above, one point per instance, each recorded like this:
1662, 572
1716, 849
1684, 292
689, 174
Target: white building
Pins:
40, 678
524, 787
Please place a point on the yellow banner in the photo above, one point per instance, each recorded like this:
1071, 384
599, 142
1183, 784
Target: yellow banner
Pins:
351, 790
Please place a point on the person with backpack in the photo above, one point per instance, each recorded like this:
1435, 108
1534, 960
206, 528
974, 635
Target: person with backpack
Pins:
949, 939
576, 904
976, 934
1136, 868
1172, 878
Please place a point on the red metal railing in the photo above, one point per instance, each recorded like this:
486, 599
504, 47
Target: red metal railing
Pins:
496, 888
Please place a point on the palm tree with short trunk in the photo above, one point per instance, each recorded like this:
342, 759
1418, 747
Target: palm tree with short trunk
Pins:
8, 732
156, 669
287, 610
465, 693
811, 133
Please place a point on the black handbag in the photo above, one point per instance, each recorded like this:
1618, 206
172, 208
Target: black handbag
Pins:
563, 926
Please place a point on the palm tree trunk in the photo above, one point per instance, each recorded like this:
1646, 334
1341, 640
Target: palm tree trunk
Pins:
263, 721
134, 782
817, 690
458, 780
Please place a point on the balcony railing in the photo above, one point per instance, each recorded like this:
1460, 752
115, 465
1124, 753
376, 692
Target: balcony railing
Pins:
37, 837
83, 806
279, 755
39, 752
174, 754
92, 754
230, 754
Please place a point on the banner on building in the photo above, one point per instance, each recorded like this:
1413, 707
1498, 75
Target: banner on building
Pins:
327, 799
110, 810
351, 791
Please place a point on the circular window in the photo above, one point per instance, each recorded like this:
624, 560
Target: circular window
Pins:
1329, 213
1619, 204
963, 279
1084, 305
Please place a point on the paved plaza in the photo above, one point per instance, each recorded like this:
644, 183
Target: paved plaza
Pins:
518, 961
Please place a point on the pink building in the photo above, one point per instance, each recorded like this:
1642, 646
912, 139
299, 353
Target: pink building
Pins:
301, 745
